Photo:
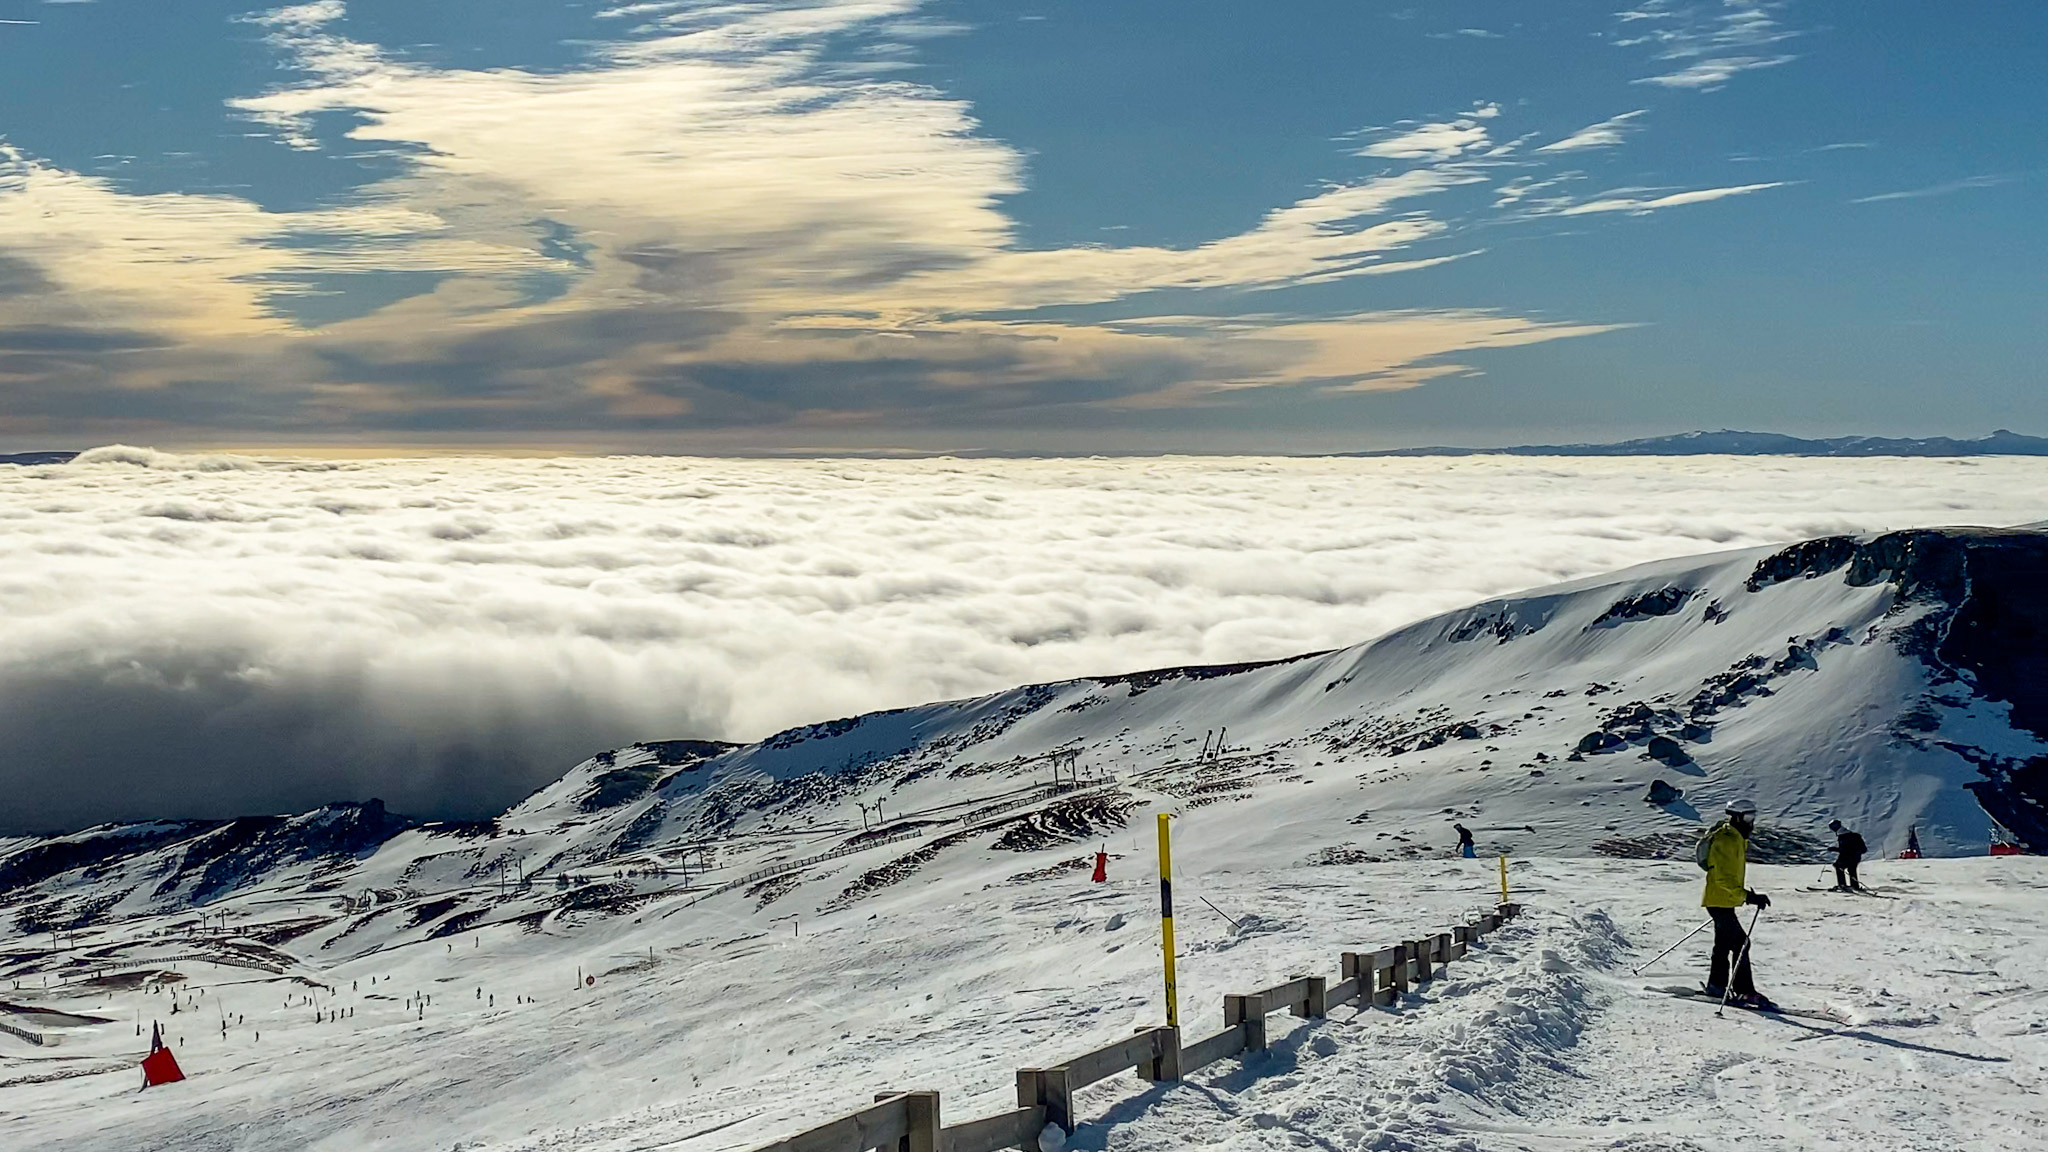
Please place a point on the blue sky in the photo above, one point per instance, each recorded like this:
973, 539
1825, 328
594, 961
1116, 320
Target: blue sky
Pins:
1047, 227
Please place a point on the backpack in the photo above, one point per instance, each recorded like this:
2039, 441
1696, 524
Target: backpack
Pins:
1853, 844
1699, 850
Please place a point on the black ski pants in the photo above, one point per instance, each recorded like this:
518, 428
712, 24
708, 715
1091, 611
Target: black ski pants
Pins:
1845, 871
1729, 941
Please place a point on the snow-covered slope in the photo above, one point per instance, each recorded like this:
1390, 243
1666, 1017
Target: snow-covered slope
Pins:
900, 899
1893, 682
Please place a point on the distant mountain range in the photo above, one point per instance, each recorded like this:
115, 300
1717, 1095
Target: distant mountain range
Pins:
1731, 443
30, 458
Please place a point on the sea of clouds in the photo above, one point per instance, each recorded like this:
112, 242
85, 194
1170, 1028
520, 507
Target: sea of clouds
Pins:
207, 636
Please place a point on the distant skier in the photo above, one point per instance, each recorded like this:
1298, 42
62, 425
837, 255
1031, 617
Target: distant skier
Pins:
1849, 850
1465, 847
1724, 853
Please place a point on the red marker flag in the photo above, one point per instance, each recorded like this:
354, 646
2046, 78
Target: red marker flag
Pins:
160, 1067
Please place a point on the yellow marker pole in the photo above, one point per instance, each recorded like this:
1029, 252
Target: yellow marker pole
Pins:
1503, 878
1166, 919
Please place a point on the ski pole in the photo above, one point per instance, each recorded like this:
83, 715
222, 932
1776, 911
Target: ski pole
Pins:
1739, 961
1673, 948
1221, 912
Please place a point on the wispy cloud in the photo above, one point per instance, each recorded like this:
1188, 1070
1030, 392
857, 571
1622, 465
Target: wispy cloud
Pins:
1721, 40
1438, 140
1634, 202
1711, 74
1606, 134
1944, 189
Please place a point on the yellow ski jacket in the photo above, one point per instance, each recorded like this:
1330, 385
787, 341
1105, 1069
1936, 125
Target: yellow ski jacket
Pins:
1727, 862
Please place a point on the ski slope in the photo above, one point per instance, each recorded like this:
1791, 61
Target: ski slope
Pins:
732, 1032
773, 933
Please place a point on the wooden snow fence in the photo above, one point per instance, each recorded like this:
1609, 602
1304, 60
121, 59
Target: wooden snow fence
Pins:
35, 1038
910, 1121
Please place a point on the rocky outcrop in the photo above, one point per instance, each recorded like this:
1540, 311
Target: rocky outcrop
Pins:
1989, 626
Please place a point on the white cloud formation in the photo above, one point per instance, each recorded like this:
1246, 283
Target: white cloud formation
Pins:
1706, 75
708, 201
1942, 189
219, 635
1437, 141
709, 225
1720, 39
1635, 202
1606, 134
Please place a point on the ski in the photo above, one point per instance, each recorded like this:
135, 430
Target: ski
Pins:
1870, 892
1700, 995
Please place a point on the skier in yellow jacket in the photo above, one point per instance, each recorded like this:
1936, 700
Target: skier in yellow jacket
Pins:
1726, 859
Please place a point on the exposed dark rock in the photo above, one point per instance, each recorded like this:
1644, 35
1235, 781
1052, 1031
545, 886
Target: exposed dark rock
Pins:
670, 753
1669, 751
238, 852
1662, 602
54, 857
1994, 632
1503, 623
642, 831
1919, 718
619, 786
1662, 793
1140, 682
1806, 559
1068, 821
1726, 689
1599, 740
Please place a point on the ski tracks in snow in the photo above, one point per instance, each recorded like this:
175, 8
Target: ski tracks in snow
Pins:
1488, 1040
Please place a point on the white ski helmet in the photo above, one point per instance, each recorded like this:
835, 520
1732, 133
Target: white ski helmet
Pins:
1741, 808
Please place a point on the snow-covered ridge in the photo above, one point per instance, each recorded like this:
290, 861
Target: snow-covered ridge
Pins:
1894, 681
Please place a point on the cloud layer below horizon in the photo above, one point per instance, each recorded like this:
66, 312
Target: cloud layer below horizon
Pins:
215, 635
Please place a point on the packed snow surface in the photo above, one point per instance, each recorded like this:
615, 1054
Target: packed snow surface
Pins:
711, 1028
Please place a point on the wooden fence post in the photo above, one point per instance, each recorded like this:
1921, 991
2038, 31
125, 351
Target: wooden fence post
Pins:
1165, 1063
921, 1111
1358, 966
1250, 1013
1316, 1004
1397, 973
1047, 1088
